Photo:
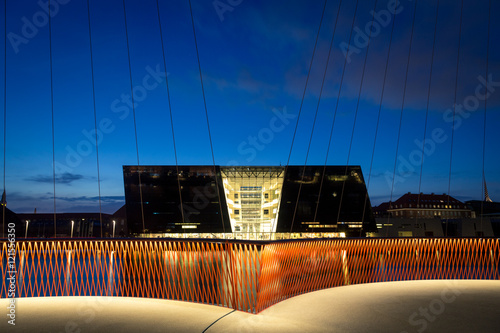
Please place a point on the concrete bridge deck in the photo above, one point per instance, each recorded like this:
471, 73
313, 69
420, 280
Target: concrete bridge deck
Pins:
402, 307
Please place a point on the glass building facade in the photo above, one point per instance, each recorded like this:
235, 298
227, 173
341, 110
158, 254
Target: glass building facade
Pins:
332, 199
161, 206
253, 197
252, 202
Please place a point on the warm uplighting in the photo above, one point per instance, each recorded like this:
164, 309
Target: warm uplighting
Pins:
26, 233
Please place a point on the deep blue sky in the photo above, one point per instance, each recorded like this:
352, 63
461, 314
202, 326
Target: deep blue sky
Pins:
253, 61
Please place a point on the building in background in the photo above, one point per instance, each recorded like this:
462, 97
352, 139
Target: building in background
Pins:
487, 210
9, 217
484, 208
404, 227
424, 206
83, 224
252, 202
120, 222
431, 215
76, 225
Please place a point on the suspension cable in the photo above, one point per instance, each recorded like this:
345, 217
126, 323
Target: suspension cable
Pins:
356, 117
305, 87
170, 110
4, 197
53, 126
427, 113
454, 107
95, 115
208, 123
483, 182
403, 101
135, 122
336, 107
315, 117
378, 116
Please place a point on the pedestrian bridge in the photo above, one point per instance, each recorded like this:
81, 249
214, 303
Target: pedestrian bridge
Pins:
405, 306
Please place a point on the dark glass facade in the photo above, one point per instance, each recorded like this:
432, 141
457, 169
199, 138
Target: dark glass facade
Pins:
343, 202
161, 204
343, 190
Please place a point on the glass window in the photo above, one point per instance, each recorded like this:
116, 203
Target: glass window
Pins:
266, 195
266, 211
236, 212
236, 195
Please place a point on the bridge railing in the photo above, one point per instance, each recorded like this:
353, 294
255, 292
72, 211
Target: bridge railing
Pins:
292, 268
243, 275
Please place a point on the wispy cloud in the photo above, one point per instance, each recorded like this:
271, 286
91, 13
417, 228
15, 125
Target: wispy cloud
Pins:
26, 203
65, 178
104, 199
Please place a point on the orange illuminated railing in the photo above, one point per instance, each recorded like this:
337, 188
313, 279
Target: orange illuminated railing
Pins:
292, 268
246, 276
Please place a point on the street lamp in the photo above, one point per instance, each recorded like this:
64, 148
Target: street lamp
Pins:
26, 233
114, 223
72, 225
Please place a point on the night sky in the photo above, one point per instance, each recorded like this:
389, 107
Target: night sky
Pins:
255, 58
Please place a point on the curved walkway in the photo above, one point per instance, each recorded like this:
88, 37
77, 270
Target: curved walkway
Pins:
410, 306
